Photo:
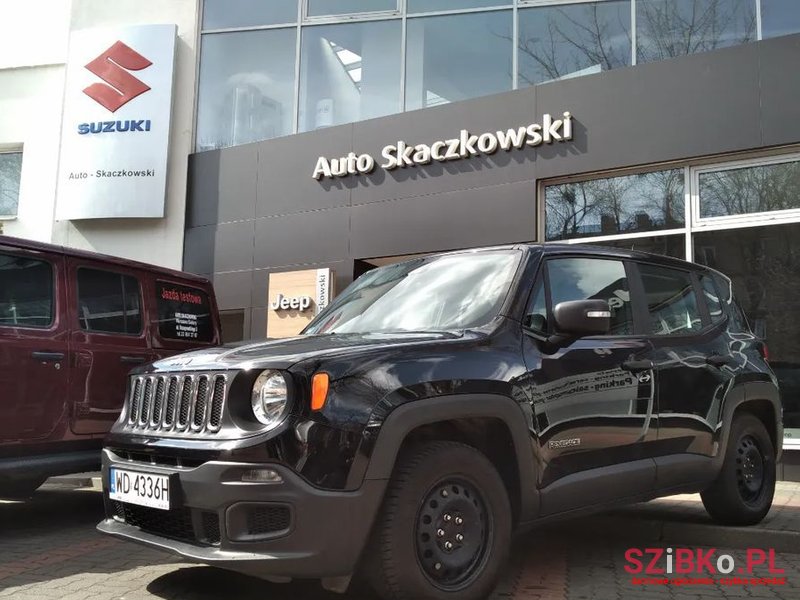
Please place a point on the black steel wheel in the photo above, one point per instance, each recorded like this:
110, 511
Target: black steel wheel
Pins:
453, 528
444, 529
742, 493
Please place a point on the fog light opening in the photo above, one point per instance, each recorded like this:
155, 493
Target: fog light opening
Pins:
261, 476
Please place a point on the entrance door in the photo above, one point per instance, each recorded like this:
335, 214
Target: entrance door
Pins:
33, 345
593, 398
108, 340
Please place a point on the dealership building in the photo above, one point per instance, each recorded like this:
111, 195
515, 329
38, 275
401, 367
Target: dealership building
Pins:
296, 142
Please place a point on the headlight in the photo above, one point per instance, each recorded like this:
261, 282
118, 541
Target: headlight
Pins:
270, 398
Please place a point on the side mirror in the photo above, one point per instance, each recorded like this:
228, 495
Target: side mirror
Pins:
582, 317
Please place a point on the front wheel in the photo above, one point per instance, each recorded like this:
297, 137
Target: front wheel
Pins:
445, 527
742, 493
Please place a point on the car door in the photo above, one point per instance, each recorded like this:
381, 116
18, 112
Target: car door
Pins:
33, 344
593, 397
108, 340
692, 359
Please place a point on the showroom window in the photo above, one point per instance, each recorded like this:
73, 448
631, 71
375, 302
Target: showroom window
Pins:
739, 191
244, 98
10, 172
627, 204
349, 72
265, 70
482, 45
670, 28
556, 42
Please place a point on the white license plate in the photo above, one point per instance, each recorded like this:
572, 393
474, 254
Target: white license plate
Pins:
144, 489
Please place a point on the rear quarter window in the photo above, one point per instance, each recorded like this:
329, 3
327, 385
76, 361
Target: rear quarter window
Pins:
184, 313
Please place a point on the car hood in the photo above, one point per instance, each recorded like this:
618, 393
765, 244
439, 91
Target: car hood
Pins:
283, 353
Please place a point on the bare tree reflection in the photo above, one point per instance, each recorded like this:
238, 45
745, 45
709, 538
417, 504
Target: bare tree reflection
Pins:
10, 166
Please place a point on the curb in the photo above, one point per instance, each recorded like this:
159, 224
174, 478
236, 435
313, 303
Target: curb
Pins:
80, 480
697, 534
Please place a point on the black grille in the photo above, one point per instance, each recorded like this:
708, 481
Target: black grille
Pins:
217, 399
175, 524
201, 403
146, 400
172, 400
135, 401
211, 533
158, 402
268, 519
186, 402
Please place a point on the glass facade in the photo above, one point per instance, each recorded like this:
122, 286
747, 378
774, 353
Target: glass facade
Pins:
627, 204
10, 172
743, 220
457, 57
265, 70
349, 73
669, 28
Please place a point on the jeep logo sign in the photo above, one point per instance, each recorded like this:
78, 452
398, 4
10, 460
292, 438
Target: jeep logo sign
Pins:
402, 154
281, 302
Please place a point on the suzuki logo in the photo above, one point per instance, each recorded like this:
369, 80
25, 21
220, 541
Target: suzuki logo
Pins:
120, 87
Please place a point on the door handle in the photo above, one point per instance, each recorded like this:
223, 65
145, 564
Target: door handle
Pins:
716, 360
133, 360
635, 366
47, 356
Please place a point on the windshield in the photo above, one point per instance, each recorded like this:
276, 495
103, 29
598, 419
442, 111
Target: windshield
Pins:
457, 291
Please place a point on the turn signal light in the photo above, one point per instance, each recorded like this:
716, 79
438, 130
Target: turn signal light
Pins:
319, 390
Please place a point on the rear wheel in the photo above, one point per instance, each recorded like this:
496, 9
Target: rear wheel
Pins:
445, 526
743, 491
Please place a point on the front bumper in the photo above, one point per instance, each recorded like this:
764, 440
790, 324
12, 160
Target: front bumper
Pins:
317, 534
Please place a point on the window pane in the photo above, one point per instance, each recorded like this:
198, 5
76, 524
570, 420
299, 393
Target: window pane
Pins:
26, 292
665, 245
219, 14
457, 57
713, 300
420, 6
10, 170
184, 313
641, 202
321, 8
246, 87
349, 72
536, 318
764, 265
750, 190
668, 28
133, 311
779, 17
671, 301
593, 279
564, 41
102, 305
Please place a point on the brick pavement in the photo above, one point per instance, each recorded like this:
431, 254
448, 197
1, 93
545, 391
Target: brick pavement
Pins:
49, 549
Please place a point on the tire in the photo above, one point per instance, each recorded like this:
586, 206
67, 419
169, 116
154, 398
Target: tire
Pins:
440, 493
742, 493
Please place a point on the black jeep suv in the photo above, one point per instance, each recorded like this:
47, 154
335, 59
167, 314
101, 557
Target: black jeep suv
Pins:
441, 403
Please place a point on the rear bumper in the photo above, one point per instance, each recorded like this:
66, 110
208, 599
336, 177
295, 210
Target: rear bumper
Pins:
323, 536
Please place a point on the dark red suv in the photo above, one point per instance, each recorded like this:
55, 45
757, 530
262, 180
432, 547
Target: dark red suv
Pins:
72, 324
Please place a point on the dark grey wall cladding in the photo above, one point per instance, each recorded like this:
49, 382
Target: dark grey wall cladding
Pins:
255, 209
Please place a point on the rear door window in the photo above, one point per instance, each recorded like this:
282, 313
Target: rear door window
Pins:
184, 313
109, 302
671, 301
26, 292
712, 297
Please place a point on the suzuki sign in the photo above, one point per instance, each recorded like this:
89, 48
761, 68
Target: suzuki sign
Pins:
116, 123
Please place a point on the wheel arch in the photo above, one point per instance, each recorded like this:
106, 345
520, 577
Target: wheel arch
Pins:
459, 418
